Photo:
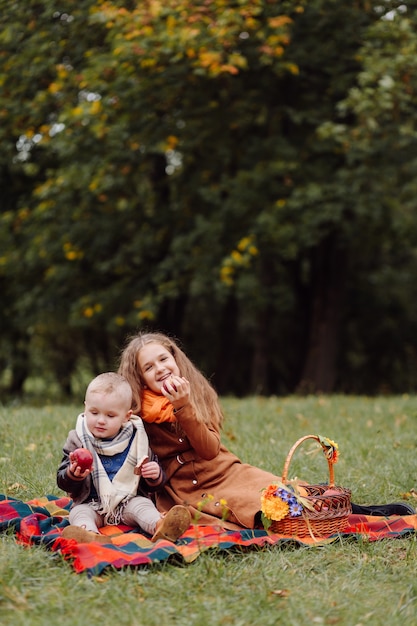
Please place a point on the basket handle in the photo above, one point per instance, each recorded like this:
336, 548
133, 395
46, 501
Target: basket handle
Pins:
291, 453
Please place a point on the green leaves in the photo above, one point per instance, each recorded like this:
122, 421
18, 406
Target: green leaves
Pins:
162, 160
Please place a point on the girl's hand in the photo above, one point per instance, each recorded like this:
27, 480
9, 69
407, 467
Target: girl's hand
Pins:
150, 470
74, 471
177, 390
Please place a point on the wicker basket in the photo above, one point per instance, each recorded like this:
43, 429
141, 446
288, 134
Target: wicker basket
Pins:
329, 513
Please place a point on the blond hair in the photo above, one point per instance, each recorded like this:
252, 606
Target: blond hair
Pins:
202, 395
111, 382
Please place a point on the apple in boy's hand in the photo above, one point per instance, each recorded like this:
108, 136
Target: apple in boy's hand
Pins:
83, 458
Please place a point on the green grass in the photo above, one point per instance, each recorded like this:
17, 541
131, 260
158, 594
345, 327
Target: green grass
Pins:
347, 583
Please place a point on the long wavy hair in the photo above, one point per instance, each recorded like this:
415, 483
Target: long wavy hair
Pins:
202, 395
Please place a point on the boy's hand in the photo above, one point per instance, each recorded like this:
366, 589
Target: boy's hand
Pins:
150, 469
138, 468
74, 471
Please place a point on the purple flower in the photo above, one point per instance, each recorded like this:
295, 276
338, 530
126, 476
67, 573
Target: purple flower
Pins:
295, 509
285, 495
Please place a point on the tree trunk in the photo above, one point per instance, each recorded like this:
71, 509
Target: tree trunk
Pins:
259, 370
327, 293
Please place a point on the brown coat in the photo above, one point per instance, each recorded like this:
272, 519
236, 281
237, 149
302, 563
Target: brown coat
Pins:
202, 473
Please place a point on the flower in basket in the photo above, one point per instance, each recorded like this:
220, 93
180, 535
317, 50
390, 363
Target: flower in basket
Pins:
278, 501
330, 448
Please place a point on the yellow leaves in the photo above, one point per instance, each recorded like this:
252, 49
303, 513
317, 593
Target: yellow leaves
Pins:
62, 71
208, 34
95, 107
45, 205
16, 487
226, 275
293, 68
71, 252
146, 315
145, 305
171, 142
217, 63
147, 63
23, 214
93, 186
72, 255
238, 259
279, 21
247, 246
245, 243
44, 129
238, 60
91, 310
155, 7
54, 88
210, 59
87, 109
229, 69
171, 24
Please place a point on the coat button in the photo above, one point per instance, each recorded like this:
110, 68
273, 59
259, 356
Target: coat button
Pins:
181, 440
194, 481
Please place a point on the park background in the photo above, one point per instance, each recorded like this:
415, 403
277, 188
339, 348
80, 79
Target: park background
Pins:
241, 175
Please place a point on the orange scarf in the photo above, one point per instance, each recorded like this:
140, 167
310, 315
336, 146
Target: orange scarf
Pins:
156, 408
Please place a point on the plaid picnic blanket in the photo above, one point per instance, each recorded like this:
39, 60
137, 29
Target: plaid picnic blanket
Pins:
41, 521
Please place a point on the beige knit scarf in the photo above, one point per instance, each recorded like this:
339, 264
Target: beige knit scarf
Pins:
114, 495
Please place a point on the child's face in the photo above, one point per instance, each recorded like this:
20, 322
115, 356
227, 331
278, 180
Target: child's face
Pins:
156, 365
105, 413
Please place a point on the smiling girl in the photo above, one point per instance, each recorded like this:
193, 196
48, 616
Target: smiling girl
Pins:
183, 418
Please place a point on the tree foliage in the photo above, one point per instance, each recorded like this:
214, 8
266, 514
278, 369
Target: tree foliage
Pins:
240, 174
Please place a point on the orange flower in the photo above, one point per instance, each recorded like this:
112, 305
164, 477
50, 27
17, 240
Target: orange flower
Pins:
330, 448
272, 506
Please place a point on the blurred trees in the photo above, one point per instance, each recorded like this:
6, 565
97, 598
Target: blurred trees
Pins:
239, 174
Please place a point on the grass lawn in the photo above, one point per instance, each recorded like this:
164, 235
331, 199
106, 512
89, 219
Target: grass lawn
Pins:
347, 583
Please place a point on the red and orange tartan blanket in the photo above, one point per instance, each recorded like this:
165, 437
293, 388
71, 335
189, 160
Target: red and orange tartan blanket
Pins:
41, 521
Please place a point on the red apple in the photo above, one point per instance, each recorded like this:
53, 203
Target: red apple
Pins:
165, 385
83, 458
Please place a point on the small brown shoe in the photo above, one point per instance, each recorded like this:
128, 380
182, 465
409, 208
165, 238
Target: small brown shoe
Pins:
173, 525
81, 535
